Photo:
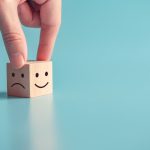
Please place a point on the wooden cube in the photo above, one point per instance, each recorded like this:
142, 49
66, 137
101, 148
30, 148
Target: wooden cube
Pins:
33, 79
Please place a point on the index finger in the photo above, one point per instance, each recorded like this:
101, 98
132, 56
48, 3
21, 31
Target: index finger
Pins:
50, 14
12, 33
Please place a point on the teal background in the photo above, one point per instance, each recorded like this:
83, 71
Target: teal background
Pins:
101, 96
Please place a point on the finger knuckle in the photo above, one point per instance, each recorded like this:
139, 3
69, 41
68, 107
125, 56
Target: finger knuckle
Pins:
10, 38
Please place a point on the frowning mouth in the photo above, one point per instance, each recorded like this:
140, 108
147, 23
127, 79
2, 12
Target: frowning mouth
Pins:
18, 84
41, 86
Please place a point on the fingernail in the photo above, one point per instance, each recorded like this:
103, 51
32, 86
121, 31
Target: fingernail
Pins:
17, 60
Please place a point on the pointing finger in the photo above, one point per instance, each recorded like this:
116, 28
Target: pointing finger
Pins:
50, 14
12, 33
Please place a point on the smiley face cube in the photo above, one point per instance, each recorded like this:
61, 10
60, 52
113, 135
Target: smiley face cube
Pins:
33, 79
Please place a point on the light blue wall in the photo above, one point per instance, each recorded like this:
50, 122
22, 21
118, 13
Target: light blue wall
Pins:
98, 41
101, 74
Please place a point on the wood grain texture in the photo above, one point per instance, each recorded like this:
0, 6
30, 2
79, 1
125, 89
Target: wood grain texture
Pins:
34, 79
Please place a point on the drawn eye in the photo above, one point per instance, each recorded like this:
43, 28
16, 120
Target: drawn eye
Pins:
46, 73
22, 75
37, 75
13, 74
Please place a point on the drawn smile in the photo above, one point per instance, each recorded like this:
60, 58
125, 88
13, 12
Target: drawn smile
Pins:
41, 86
17, 84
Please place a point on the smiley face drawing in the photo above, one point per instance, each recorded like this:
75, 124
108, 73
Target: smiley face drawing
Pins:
42, 86
34, 79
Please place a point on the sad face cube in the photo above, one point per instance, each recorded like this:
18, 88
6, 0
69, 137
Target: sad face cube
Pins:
33, 79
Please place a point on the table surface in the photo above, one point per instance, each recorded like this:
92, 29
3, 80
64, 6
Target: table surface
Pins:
101, 96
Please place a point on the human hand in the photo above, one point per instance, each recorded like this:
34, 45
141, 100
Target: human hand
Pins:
45, 14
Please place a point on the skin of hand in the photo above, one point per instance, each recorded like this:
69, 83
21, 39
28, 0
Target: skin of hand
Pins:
44, 14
